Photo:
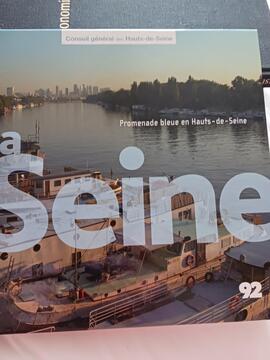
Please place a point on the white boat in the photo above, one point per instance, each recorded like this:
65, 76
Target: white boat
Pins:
48, 186
139, 108
170, 112
121, 271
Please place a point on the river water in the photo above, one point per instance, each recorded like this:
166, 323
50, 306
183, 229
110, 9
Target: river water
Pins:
87, 136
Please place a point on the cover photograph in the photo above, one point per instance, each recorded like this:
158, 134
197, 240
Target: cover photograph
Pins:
134, 179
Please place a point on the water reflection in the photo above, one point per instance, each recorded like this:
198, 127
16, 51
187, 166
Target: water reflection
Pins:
85, 135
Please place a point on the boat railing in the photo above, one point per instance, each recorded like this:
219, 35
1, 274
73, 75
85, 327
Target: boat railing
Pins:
127, 306
226, 308
47, 329
132, 303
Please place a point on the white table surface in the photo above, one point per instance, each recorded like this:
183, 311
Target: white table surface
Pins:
246, 340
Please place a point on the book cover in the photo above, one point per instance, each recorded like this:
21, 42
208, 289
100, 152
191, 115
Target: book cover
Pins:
134, 179
112, 14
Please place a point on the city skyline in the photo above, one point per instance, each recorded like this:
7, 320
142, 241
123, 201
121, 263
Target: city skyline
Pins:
43, 59
79, 89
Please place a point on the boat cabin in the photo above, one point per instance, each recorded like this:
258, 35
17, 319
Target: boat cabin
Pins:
49, 185
185, 253
250, 261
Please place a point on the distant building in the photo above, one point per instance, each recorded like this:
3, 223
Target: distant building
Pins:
66, 92
40, 93
89, 91
105, 89
95, 90
76, 90
84, 92
11, 91
57, 91
48, 93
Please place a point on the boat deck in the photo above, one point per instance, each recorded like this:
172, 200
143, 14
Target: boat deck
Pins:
53, 292
188, 228
203, 295
43, 293
121, 281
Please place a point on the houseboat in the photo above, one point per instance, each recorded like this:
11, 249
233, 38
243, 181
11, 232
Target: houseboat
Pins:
48, 186
250, 261
248, 266
63, 284
139, 108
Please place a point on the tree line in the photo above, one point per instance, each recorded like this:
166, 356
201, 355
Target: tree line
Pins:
7, 102
242, 94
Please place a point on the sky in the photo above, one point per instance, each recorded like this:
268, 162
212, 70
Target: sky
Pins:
30, 60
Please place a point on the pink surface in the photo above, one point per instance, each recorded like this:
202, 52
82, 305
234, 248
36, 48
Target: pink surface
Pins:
248, 340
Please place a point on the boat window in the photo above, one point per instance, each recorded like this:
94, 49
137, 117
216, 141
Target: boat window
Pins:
190, 246
36, 248
37, 270
4, 256
226, 242
175, 248
57, 183
67, 181
113, 223
12, 219
96, 175
39, 184
187, 215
